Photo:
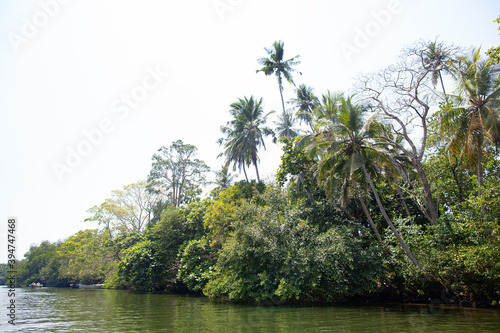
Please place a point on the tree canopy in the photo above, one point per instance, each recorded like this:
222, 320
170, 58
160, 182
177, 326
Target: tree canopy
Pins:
388, 191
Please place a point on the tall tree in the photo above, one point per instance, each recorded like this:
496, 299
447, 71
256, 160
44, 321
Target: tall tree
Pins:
474, 120
400, 95
275, 64
176, 174
346, 155
126, 211
245, 132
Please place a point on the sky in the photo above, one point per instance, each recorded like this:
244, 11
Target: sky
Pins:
90, 90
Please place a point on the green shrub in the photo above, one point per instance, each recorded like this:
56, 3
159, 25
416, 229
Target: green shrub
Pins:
275, 254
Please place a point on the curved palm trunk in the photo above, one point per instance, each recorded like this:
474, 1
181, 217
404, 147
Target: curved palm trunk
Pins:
254, 161
431, 204
367, 213
388, 220
257, 171
442, 86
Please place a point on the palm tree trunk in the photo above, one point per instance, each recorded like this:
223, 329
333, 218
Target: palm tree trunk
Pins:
442, 86
367, 213
388, 220
479, 169
453, 169
245, 172
431, 204
256, 171
283, 105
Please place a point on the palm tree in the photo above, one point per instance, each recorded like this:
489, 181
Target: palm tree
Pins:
223, 178
245, 133
327, 106
281, 126
473, 121
437, 59
305, 101
234, 154
347, 156
275, 64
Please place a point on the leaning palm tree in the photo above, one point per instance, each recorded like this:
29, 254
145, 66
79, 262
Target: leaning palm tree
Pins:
275, 64
347, 156
245, 133
473, 121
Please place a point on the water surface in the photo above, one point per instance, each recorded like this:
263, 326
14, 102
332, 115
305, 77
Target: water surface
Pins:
73, 310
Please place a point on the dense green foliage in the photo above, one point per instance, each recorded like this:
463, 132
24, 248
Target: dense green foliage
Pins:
361, 209
275, 254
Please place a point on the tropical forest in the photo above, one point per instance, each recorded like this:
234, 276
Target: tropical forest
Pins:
387, 191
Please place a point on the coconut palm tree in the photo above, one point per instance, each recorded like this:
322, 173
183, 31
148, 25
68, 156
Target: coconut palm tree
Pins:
223, 178
327, 106
275, 64
305, 102
347, 156
473, 121
234, 154
437, 59
281, 126
245, 133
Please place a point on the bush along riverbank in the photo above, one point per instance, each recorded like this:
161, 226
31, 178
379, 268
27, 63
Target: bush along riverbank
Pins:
271, 247
360, 210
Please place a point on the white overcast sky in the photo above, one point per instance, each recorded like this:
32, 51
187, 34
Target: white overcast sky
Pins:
67, 67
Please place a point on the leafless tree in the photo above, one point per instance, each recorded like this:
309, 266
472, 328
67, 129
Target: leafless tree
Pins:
403, 96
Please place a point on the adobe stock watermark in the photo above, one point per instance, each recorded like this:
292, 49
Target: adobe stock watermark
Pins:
222, 7
32, 25
363, 36
122, 107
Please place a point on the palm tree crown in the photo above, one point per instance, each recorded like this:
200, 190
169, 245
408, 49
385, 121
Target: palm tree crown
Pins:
275, 65
437, 59
305, 102
245, 133
346, 154
223, 178
473, 119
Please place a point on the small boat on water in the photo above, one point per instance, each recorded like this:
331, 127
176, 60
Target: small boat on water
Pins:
35, 285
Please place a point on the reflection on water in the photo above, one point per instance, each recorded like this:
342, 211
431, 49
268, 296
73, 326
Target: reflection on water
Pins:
73, 310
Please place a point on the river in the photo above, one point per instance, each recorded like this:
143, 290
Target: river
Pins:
73, 310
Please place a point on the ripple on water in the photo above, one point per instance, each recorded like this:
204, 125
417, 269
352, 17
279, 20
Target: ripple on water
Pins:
73, 310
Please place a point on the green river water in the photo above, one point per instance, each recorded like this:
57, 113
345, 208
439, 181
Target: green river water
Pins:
73, 310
